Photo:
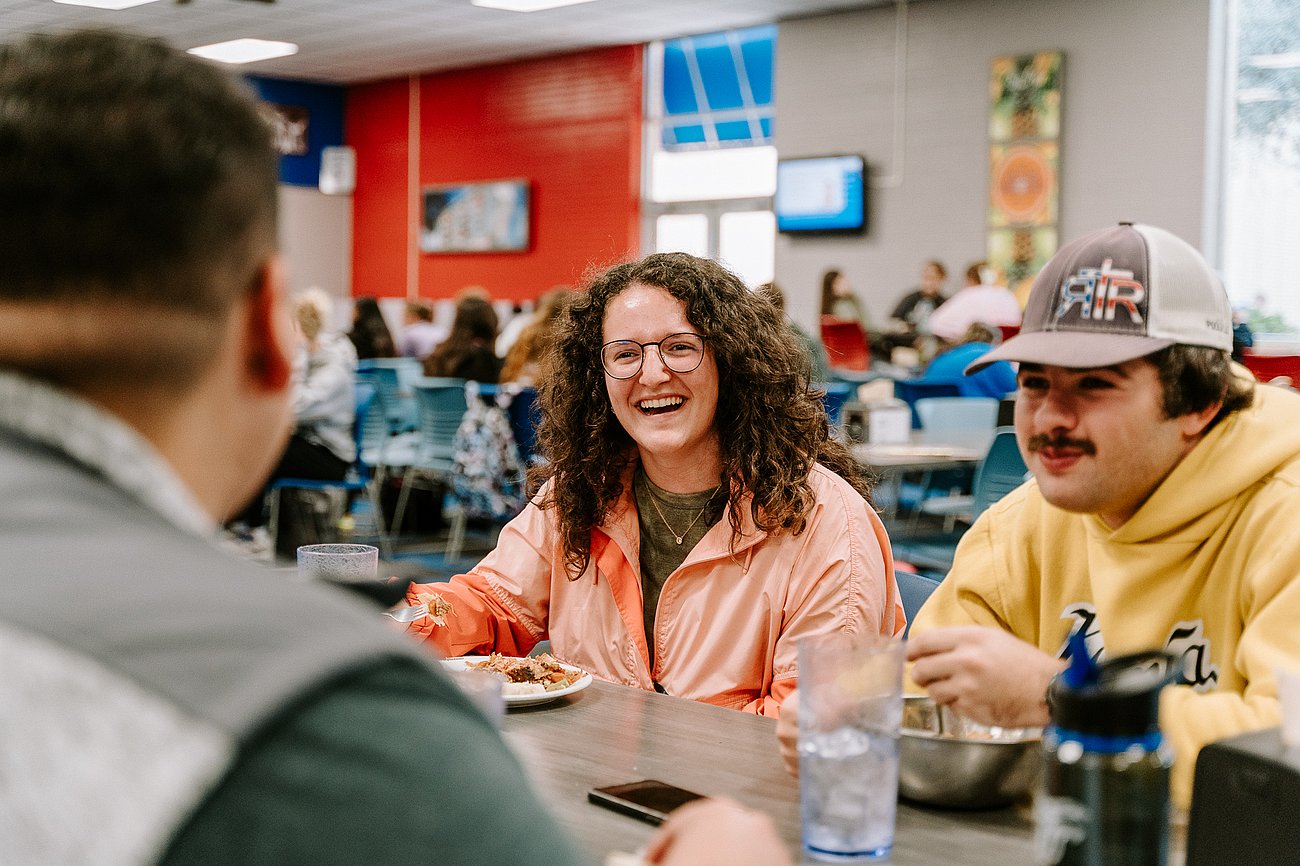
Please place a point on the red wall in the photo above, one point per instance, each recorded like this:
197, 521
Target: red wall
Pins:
569, 124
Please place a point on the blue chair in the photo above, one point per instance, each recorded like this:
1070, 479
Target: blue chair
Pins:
359, 477
442, 405
913, 590
911, 390
1002, 471
391, 376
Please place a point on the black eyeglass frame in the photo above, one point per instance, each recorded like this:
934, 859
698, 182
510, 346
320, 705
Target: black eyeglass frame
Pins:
663, 359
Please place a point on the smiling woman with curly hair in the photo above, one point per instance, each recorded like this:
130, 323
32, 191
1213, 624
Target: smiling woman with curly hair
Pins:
675, 398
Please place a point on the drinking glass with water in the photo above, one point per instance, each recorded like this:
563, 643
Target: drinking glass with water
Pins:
850, 711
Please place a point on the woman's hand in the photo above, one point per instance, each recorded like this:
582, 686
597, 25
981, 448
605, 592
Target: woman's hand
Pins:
787, 732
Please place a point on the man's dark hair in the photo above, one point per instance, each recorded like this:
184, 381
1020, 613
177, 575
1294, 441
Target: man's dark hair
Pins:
771, 423
133, 177
1193, 378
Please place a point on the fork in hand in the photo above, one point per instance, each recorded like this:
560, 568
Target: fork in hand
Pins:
409, 613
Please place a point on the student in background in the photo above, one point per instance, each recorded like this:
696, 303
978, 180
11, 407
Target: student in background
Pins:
370, 335
997, 379
419, 333
524, 362
468, 353
821, 367
983, 299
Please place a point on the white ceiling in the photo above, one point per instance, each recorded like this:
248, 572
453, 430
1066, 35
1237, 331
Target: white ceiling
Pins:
348, 41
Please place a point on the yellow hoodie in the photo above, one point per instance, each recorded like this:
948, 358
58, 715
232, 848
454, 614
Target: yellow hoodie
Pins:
1208, 568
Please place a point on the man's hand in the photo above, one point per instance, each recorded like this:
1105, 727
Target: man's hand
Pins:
787, 732
985, 674
718, 832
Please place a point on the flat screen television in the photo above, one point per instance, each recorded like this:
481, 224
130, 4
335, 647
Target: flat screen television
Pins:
486, 217
821, 194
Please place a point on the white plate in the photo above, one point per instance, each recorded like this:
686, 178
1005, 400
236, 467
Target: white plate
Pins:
460, 664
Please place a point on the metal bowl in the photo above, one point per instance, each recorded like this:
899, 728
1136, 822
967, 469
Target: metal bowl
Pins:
946, 760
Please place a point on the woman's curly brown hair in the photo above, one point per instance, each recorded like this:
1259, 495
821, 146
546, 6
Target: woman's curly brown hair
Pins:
771, 424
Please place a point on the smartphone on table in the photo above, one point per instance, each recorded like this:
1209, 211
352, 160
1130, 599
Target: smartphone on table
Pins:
648, 800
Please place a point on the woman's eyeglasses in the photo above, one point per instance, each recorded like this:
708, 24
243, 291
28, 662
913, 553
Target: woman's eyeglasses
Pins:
681, 353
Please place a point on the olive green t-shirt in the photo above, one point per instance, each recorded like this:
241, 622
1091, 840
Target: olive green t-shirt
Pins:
671, 525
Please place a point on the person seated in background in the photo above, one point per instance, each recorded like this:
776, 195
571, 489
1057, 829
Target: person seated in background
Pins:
322, 446
1243, 337
821, 365
523, 363
695, 517
911, 317
997, 379
982, 299
419, 333
839, 301
192, 707
1160, 515
467, 352
370, 335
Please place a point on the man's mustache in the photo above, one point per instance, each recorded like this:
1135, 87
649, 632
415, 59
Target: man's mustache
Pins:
1040, 441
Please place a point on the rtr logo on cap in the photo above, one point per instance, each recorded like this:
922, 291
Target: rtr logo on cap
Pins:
1104, 298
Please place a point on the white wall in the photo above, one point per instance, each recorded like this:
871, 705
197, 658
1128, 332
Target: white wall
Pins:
316, 240
1132, 142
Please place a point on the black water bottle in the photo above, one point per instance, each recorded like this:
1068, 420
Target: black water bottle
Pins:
1104, 797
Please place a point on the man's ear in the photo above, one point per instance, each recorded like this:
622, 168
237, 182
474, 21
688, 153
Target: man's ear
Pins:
270, 337
1194, 423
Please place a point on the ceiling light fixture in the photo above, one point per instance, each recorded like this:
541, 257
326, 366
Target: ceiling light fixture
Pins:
106, 4
526, 5
245, 50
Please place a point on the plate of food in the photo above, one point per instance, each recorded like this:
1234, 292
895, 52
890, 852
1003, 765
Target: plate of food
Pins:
528, 681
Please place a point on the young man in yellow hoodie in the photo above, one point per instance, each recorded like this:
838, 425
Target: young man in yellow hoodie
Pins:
1161, 511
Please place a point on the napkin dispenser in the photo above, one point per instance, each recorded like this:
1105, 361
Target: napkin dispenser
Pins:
1245, 802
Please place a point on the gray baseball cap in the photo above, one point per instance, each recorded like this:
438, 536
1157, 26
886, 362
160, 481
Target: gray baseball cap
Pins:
1118, 294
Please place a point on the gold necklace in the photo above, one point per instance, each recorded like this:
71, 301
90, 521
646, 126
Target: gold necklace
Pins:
673, 532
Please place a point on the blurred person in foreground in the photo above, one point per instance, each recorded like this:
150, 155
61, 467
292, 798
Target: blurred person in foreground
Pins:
162, 701
1160, 514
695, 518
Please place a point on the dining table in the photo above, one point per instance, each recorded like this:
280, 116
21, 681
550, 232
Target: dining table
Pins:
610, 734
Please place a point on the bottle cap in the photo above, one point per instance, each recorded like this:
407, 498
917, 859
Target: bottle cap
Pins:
1120, 699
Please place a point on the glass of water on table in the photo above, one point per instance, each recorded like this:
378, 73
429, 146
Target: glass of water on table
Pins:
354, 567
850, 711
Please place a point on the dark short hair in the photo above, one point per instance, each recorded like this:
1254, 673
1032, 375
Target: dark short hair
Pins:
132, 176
1193, 378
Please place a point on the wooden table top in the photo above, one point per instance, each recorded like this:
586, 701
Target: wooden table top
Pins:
610, 734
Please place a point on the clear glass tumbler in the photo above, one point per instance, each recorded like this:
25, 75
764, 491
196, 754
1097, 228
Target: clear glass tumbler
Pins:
338, 563
850, 711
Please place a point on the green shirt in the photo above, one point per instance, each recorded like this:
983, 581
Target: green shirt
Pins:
671, 525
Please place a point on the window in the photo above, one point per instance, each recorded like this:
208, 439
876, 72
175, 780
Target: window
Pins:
1261, 204
710, 165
